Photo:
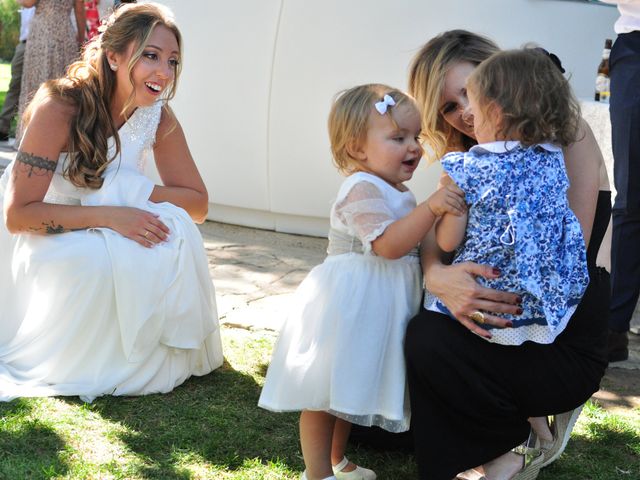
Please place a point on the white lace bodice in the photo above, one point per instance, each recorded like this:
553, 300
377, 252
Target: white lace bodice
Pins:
366, 205
137, 137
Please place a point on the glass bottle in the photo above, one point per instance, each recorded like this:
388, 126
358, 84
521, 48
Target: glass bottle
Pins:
602, 79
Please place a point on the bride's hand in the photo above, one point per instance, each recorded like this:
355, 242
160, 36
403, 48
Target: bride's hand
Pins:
456, 286
138, 225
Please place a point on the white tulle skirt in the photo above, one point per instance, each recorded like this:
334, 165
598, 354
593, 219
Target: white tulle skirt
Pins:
93, 313
341, 347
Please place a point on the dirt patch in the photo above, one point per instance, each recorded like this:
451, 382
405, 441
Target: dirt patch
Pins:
619, 390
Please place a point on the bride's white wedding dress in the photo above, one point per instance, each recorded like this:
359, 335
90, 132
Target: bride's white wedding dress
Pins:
93, 313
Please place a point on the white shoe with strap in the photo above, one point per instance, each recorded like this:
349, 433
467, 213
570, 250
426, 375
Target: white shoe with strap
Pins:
359, 473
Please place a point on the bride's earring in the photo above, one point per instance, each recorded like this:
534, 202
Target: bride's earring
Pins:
113, 66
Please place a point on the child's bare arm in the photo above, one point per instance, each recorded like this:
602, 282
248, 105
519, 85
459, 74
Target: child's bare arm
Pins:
450, 231
402, 235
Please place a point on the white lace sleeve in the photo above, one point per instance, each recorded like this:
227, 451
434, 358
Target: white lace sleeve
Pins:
365, 213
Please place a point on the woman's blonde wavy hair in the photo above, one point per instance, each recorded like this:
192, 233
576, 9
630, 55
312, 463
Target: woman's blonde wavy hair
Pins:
535, 101
89, 86
349, 120
426, 82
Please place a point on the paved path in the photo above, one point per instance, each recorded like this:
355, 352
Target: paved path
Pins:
255, 272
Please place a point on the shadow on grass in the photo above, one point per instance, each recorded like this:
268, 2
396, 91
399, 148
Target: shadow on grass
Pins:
28, 448
262, 369
213, 419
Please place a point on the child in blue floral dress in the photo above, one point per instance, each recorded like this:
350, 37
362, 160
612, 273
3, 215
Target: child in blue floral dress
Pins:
515, 184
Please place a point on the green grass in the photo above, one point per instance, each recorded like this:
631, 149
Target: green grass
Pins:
211, 428
603, 446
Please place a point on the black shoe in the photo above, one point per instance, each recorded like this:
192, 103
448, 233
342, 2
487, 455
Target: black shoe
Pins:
617, 346
4, 136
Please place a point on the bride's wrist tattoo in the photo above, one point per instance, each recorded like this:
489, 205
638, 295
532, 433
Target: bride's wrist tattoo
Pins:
34, 165
51, 227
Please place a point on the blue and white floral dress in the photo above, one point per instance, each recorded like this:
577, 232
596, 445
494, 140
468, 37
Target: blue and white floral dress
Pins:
520, 222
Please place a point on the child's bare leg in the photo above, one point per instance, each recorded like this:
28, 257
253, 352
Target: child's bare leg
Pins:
316, 433
541, 427
341, 433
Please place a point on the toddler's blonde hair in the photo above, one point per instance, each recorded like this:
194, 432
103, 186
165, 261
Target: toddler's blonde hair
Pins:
536, 101
349, 118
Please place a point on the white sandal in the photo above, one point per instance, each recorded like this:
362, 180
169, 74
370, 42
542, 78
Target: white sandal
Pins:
359, 473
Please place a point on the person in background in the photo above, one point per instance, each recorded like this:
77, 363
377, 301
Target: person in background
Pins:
93, 17
10, 107
96, 11
624, 108
52, 45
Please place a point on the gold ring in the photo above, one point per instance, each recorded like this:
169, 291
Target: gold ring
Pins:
146, 234
477, 316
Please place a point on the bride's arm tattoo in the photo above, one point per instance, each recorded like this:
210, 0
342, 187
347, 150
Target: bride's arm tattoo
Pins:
50, 227
34, 165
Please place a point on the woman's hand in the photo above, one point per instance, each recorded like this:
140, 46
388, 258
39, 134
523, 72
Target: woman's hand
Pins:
456, 286
138, 225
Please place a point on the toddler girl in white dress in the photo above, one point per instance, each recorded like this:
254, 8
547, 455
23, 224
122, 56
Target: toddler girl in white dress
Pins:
339, 358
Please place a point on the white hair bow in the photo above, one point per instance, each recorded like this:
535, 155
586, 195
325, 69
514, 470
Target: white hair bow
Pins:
386, 102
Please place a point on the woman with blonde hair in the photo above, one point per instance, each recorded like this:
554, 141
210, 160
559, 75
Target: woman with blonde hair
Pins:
103, 276
473, 402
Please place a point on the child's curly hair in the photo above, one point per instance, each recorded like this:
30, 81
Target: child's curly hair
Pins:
349, 119
536, 101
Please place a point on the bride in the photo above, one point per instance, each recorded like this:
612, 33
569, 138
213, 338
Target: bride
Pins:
104, 283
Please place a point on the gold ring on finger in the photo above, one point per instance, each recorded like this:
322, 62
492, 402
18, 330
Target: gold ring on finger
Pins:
477, 317
146, 234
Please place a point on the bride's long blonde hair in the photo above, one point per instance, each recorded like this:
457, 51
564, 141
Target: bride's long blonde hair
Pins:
89, 86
